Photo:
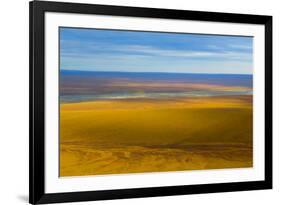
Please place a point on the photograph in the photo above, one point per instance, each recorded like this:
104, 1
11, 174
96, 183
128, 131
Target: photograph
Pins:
133, 101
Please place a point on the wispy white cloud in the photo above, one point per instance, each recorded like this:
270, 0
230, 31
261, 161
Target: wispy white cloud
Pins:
143, 51
242, 47
186, 53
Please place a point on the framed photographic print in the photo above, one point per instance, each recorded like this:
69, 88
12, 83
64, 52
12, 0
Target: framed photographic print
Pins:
140, 102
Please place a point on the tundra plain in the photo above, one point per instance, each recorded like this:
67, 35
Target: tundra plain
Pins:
119, 136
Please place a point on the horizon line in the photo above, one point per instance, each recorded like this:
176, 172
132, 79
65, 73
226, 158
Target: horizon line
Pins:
157, 72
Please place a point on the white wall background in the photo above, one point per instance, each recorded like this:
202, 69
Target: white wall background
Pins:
14, 100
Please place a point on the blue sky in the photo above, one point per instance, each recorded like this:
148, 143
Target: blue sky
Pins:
112, 50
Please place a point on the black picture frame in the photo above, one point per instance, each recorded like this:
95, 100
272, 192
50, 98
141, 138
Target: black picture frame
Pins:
37, 193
